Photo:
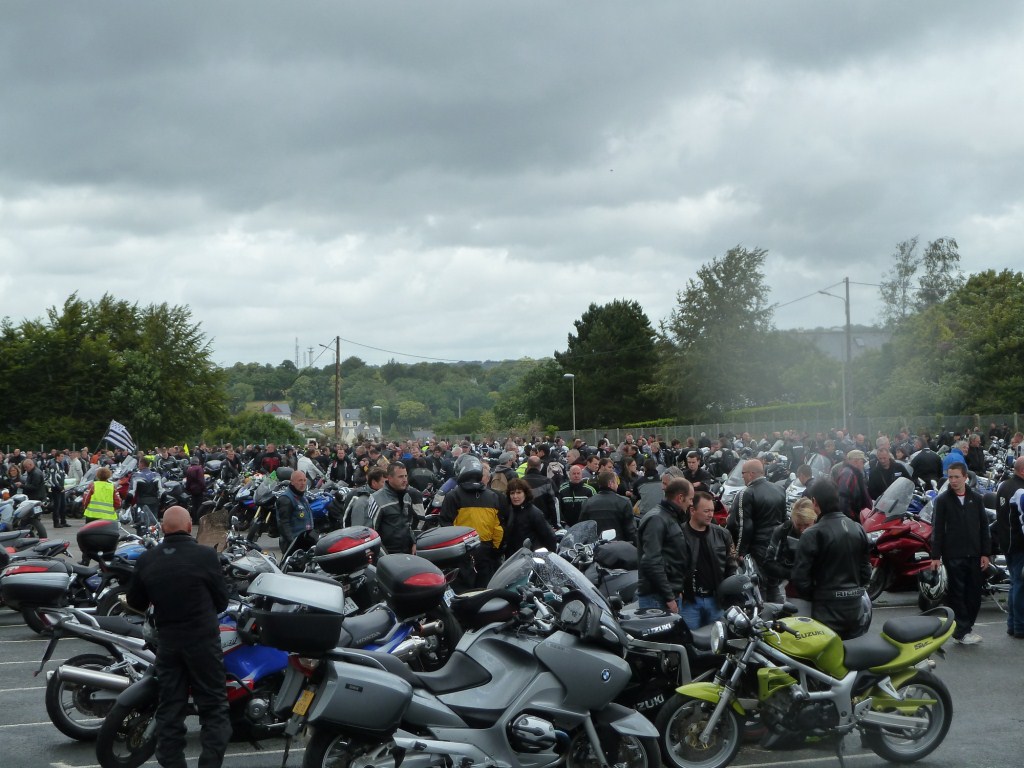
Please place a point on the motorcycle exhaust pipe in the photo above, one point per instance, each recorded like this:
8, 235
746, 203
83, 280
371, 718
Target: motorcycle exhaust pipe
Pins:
409, 649
93, 677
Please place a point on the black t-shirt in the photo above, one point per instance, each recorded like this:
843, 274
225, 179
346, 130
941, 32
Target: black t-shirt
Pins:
704, 573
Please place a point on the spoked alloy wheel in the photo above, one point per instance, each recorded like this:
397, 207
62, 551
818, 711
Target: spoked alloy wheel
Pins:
69, 704
629, 752
682, 720
126, 738
330, 749
925, 695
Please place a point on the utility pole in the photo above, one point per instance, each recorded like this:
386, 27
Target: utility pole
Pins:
337, 389
846, 368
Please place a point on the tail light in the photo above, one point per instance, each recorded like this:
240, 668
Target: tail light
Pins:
304, 664
20, 570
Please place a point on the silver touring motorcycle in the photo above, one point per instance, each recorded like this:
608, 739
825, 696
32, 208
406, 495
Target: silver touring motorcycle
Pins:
532, 686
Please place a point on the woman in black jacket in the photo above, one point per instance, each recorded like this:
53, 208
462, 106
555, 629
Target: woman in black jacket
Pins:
524, 521
782, 549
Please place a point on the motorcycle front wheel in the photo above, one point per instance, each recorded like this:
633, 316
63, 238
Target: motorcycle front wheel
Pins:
331, 749
68, 704
126, 739
682, 720
628, 752
924, 695
878, 582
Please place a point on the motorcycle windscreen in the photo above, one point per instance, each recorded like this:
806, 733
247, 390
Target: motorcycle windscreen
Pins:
894, 502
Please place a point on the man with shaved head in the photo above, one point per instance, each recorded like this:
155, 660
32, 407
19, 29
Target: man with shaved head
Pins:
184, 583
756, 511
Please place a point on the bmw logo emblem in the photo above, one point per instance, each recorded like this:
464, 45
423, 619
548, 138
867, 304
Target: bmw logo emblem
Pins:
606, 675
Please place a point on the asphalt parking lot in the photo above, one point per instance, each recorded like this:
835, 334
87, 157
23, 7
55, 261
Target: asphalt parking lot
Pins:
985, 681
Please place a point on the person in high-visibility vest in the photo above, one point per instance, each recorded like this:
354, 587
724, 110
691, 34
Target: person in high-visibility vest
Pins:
101, 501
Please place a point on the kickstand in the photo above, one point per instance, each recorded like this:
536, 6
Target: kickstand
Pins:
840, 748
288, 746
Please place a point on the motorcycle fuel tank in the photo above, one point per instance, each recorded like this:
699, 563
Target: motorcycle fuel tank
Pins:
811, 641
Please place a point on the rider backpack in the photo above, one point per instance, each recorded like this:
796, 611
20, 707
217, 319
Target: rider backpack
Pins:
499, 482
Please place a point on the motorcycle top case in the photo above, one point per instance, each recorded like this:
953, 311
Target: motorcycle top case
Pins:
446, 546
296, 614
347, 551
99, 536
35, 583
411, 584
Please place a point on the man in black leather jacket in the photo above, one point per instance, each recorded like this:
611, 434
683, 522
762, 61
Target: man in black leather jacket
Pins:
832, 564
661, 553
756, 511
610, 511
184, 582
391, 512
710, 558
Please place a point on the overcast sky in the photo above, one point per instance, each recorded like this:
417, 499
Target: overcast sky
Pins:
461, 180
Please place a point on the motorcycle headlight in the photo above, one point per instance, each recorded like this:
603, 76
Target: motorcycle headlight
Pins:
874, 536
718, 637
737, 620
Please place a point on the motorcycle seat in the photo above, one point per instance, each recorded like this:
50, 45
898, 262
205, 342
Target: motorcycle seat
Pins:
459, 673
363, 628
11, 535
912, 628
868, 651
702, 637
119, 625
315, 577
78, 569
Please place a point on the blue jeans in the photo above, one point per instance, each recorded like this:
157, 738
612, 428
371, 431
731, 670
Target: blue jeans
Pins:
1015, 601
701, 612
652, 601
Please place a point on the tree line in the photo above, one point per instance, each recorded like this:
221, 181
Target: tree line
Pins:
956, 347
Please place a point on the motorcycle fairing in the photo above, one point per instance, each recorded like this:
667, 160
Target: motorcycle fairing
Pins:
709, 692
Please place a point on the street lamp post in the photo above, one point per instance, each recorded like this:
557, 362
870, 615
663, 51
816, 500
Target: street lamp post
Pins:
846, 361
572, 377
380, 412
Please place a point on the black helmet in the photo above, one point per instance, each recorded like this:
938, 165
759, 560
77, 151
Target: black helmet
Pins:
469, 470
738, 589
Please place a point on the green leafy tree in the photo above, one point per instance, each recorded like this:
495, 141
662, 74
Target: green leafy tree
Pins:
239, 394
714, 358
917, 281
613, 358
898, 289
252, 427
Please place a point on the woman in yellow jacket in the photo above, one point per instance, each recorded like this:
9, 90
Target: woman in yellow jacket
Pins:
101, 501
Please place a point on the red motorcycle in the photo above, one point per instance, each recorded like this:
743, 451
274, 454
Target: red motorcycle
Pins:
900, 540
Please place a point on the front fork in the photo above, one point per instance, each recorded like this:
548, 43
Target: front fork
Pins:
729, 687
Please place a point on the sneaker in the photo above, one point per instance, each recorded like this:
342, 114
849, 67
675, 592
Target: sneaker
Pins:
970, 639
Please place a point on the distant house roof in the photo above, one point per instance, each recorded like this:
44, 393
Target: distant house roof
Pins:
278, 409
350, 414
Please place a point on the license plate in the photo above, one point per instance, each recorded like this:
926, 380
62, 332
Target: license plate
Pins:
302, 705
449, 594
350, 606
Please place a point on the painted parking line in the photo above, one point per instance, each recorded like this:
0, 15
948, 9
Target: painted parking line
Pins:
227, 756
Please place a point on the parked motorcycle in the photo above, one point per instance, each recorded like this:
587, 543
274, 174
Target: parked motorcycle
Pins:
82, 690
900, 540
609, 565
19, 512
535, 689
804, 681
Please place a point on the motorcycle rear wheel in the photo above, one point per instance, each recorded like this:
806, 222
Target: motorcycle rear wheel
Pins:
110, 604
33, 621
330, 749
680, 723
907, 746
122, 741
67, 703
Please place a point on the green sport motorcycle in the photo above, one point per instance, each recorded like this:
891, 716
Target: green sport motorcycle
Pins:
802, 680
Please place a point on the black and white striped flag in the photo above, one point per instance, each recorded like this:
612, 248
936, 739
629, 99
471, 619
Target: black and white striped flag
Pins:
119, 436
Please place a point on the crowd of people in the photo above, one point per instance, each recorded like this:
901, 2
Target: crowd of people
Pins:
656, 494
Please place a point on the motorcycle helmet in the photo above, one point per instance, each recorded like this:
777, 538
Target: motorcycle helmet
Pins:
933, 584
739, 590
468, 469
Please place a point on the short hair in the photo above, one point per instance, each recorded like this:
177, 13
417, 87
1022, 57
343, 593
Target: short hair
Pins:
375, 474
803, 511
678, 487
103, 473
804, 470
826, 493
518, 484
143, 462
394, 466
957, 465
606, 479
699, 496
